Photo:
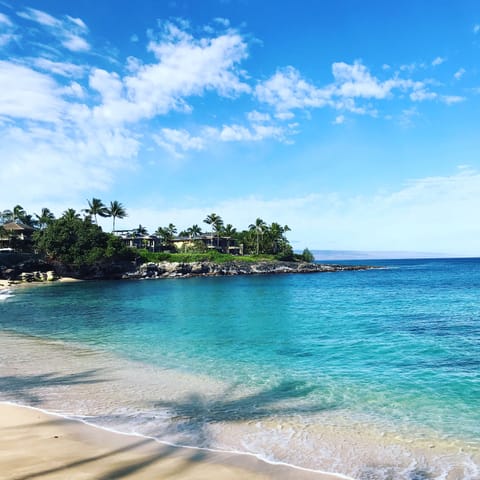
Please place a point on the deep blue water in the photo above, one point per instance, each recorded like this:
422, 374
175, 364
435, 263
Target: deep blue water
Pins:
397, 345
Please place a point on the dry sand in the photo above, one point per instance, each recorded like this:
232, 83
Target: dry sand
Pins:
34, 445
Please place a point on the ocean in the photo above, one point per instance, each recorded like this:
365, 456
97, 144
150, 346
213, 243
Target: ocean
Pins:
374, 375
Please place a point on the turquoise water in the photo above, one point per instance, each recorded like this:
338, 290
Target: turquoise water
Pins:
397, 349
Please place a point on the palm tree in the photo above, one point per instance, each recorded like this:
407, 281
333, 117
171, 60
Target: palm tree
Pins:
277, 236
229, 230
70, 215
166, 235
141, 230
6, 216
116, 210
172, 229
18, 213
45, 217
194, 231
259, 227
96, 207
216, 222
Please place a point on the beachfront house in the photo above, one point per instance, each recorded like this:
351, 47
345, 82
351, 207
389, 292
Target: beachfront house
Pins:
209, 241
15, 235
133, 239
152, 243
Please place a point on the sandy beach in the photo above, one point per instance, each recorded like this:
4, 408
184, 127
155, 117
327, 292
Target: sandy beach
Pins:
35, 444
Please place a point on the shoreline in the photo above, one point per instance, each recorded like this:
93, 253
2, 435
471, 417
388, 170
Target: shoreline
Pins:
71, 390
58, 445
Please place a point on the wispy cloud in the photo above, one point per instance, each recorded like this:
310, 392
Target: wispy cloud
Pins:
459, 73
176, 142
7, 30
70, 31
452, 99
438, 61
339, 119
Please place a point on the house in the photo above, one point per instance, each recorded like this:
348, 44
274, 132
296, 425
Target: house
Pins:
210, 241
152, 243
15, 234
132, 239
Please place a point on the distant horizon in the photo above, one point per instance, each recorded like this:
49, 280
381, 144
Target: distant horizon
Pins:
380, 255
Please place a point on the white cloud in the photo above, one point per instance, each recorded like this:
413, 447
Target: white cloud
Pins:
407, 116
6, 38
257, 117
5, 21
339, 119
77, 21
257, 132
59, 68
7, 31
222, 21
356, 81
75, 43
287, 90
422, 94
185, 67
459, 73
70, 31
40, 17
451, 99
178, 141
27, 94
438, 61
50, 143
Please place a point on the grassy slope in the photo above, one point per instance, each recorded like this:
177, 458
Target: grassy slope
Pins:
202, 257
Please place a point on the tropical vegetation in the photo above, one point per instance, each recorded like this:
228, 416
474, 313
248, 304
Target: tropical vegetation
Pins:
76, 238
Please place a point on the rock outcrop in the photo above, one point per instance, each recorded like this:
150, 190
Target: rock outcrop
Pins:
197, 269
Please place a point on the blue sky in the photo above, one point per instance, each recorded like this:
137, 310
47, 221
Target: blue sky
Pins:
356, 123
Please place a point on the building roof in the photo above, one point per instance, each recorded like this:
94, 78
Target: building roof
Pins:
18, 227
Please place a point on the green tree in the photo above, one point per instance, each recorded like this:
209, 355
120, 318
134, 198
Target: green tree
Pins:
259, 228
216, 222
78, 242
71, 214
275, 237
166, 235
141, 230
44, 218
229, 230
116, 210
307, 256
96, 207
6, 216
194, 231
18, 213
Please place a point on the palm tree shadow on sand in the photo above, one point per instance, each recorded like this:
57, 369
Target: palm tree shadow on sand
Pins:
193, 415
190, 417
24, 388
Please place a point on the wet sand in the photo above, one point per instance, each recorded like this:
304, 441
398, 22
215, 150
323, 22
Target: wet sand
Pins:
34, 444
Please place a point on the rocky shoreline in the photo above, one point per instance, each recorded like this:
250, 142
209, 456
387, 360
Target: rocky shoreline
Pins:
210, 269
35, 270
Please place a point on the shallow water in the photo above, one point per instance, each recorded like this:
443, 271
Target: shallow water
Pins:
373, 374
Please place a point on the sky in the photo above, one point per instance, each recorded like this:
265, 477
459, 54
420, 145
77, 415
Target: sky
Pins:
355, 122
